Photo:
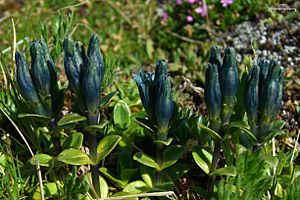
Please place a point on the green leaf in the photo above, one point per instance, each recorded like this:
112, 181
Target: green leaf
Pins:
271, 160
100, 126
149, 48
226, 171
50, 190
202, 157
166, 142
121, 115
105, 100
37, 117
242, 126
148, 175
146, 160
174, 172
136, 187
74, 141
43, 159
171, 155
210, 131
277, 125
70, 119
4, 161
103, 188
106, 145
119, 183
74, 157
122, 194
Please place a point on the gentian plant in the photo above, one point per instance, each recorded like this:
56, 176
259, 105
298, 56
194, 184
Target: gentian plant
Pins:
85, 73
156, 95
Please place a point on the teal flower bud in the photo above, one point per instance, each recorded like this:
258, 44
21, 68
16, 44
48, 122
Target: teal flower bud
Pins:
25, 83
144, 82
252, 97
39, 70
212, 95
215, 57
91, 87
95, 54
280, 91
269, 93
229, 81
73, 61
164, 105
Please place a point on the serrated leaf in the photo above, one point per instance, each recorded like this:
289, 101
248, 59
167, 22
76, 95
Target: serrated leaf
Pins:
202, 157
74, 141
70, 119
106, 145
171, 155
145, 160
74, 157
43, 159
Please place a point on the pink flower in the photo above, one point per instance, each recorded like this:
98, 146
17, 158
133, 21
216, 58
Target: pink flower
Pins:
165, 16
192, 1
178, 2
189, 18
226, 3
202, 10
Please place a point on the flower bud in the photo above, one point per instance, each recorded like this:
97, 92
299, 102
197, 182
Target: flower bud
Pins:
164, 105
229, 81
252, 97
212, 95
270, 93
73, 62
95, 54
215, 57
25, 83
91, 87
144, 82
39, 70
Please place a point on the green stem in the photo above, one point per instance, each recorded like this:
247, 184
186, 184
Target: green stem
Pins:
215, 161
92, 143
55, 137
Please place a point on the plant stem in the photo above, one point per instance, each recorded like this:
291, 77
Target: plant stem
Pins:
92, 143
215, 161
55, 137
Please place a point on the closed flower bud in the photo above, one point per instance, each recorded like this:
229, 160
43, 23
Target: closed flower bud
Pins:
164, 105
39, 70
144, 82
252, 97
95, 54
91, 87
212, 95
269, 93
215, 57
229, 81
73, 62
25, 83
280, 91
